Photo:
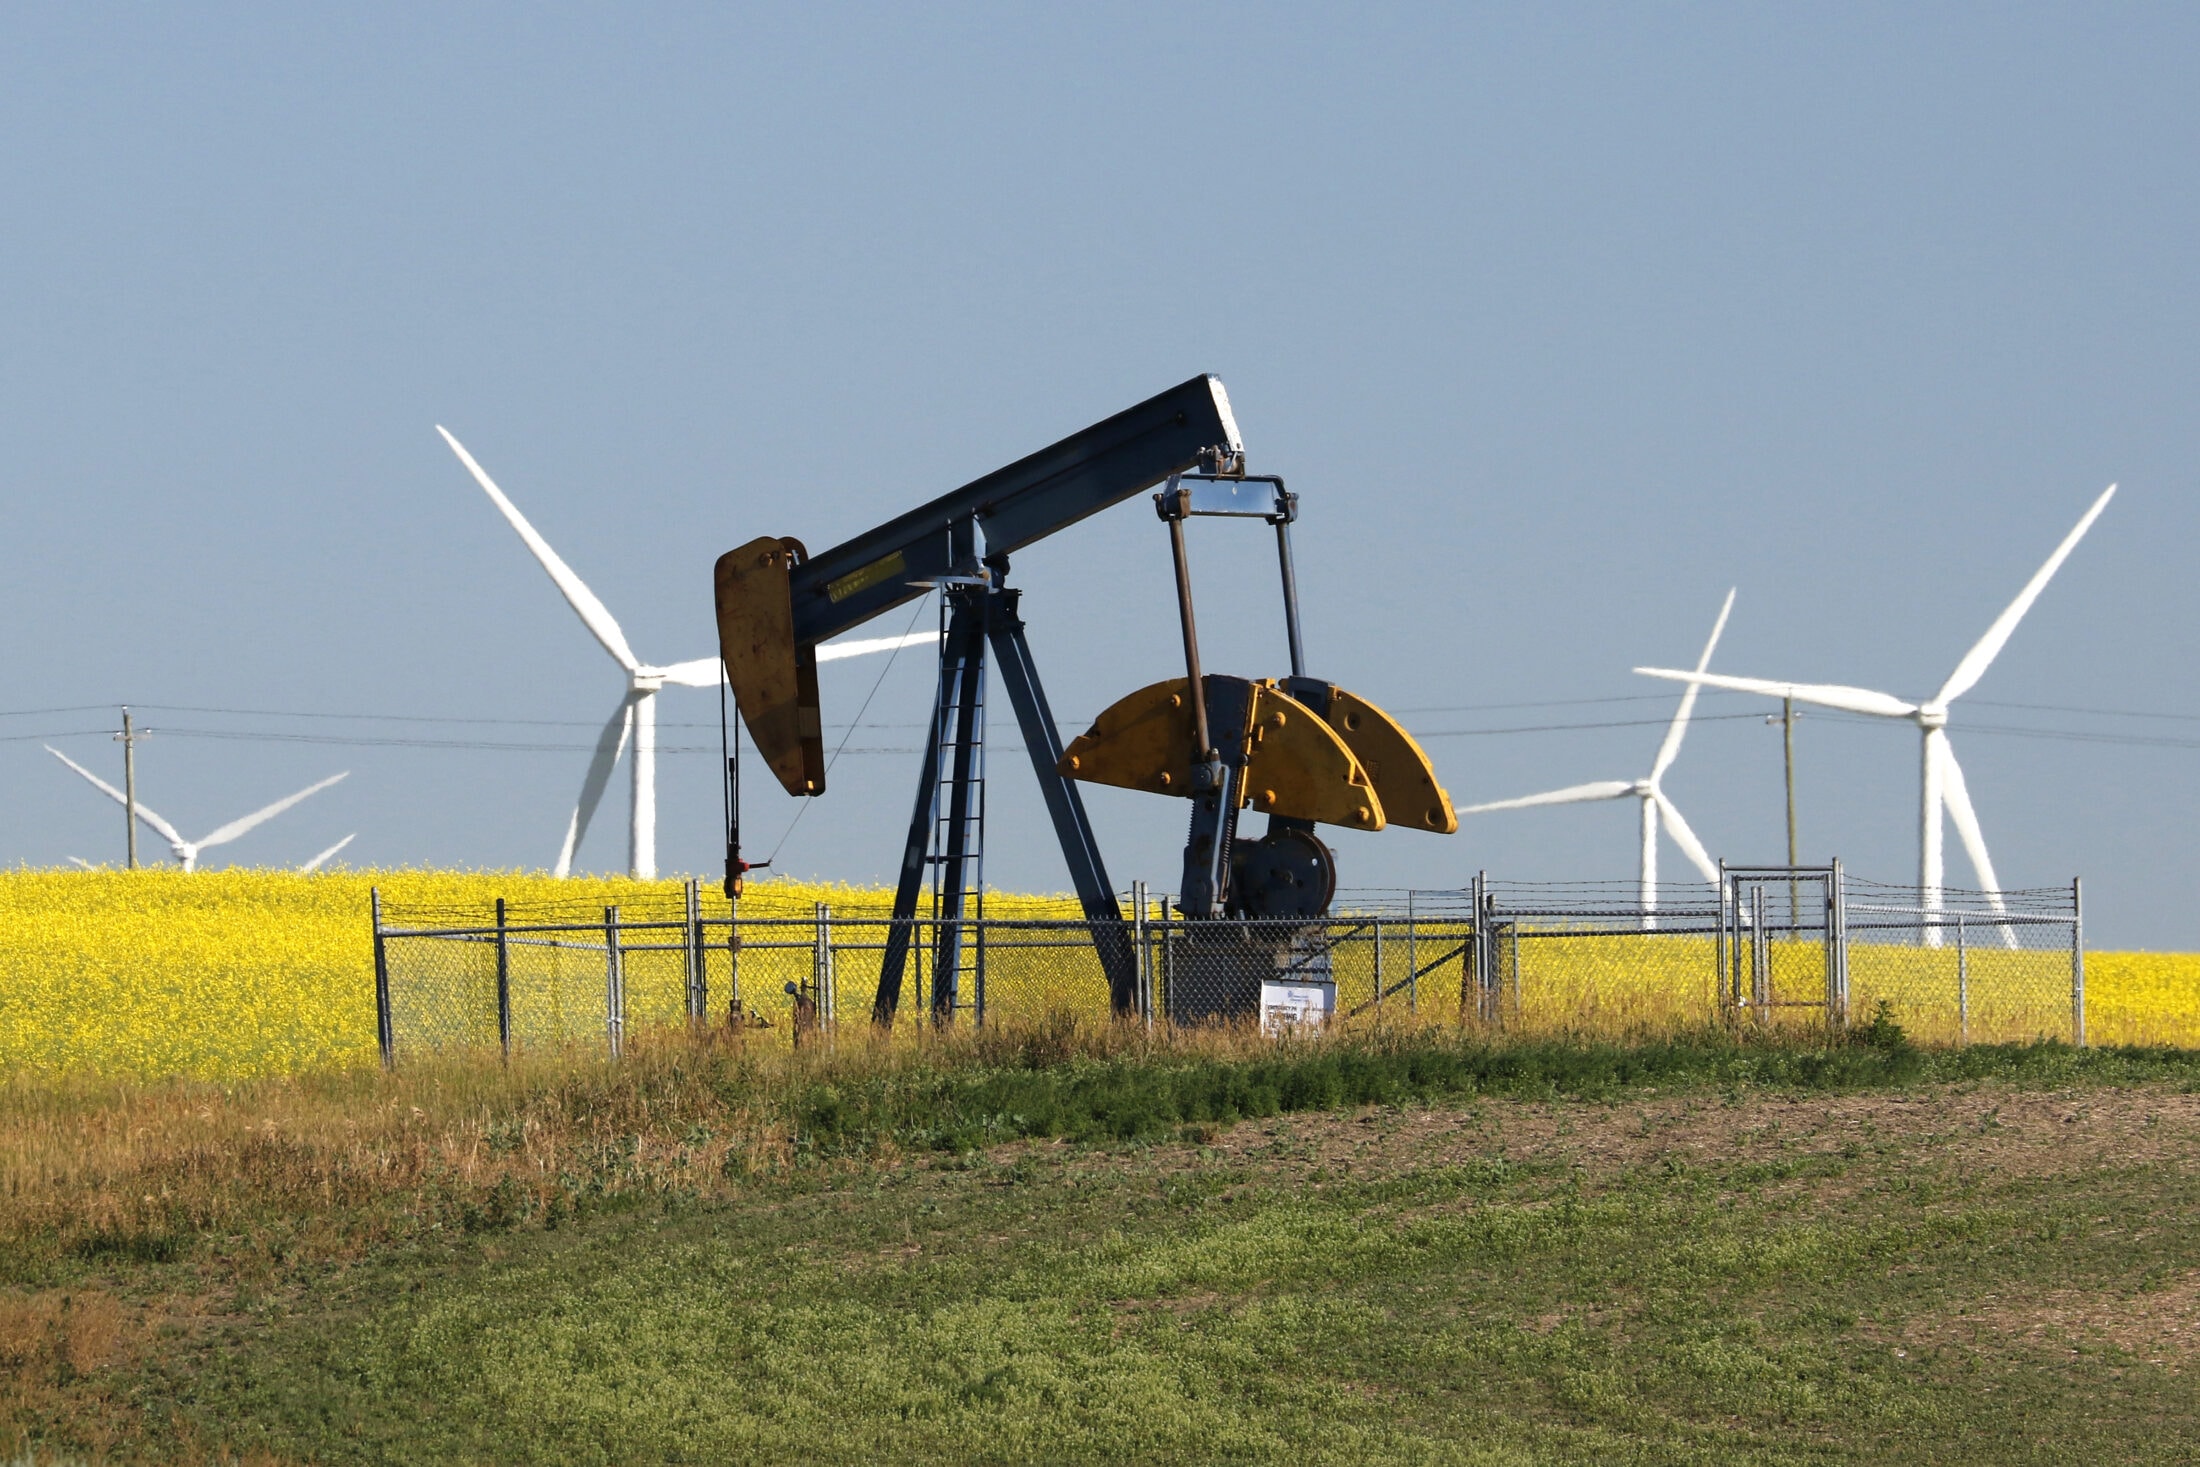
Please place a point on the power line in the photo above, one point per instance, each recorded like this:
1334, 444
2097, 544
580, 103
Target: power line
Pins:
548, 746
68, 733
2089, 712
1459, 733
1555, 703
2018, 731
480, 721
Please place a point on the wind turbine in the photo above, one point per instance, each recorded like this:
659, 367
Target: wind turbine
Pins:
636, 715
1940, 784
187, 851
1648, 790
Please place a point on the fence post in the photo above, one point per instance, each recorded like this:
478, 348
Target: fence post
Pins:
614, 991
1837, 917
2077, 961
504, 986
698, 978
821, 969
1963, 984
384, 1032
1482, 952
1142, 960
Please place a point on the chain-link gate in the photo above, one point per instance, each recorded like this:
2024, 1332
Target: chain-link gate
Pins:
1782, 943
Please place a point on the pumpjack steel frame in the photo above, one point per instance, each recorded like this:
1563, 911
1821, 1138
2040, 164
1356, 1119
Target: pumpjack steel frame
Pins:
1301, 749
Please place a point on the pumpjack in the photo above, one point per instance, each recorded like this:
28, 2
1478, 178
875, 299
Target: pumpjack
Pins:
1300, 750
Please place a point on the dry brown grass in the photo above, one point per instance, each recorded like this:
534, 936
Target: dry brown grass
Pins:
331, 1165
341, 1162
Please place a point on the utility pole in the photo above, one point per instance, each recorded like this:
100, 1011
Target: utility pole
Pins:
1787, 757
129, 739
1787, 740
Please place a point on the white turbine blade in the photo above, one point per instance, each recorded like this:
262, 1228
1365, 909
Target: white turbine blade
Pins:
834, 651
1979, 658
316, 863
235, 828
1685, 838
703, 672
610, 744
593, 613
1671, 748
1825, 695
1958, 798
1606, 789
145, 817
117, 795
84, 863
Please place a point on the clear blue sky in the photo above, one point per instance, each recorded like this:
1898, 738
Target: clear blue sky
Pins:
1561, 319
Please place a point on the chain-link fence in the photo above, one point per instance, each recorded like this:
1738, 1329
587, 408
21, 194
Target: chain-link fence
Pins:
1968, 966
1590, 956
1766, 946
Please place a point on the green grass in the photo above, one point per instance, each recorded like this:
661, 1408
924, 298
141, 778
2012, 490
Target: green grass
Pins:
1404, 1250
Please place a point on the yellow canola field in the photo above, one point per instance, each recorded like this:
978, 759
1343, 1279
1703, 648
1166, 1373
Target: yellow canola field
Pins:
2143, 998
230, 974
239, 973
1624, 984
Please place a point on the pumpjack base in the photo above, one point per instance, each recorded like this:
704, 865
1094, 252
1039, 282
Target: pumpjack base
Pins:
1216, 968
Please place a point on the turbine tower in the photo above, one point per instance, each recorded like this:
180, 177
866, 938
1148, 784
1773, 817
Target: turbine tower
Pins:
636, 715
1940, 783
1649, 791
187, 851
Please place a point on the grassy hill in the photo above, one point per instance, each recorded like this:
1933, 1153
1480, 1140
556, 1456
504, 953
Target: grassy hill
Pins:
1062, 1245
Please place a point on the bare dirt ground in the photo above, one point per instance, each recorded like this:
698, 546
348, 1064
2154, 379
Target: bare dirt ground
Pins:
1983, 1130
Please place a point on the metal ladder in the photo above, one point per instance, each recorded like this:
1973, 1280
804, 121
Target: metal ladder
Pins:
957, 855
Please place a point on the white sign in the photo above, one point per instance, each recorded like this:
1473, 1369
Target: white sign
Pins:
1285, 1005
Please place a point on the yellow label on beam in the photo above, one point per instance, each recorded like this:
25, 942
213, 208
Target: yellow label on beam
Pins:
864, 579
